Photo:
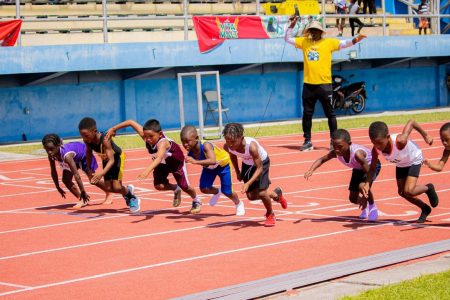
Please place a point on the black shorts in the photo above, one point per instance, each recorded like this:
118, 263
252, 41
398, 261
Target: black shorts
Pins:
263, 182
359, 176
413, 171
116, 171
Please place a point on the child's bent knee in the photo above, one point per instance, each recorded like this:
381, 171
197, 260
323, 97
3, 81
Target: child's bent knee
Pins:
159, 187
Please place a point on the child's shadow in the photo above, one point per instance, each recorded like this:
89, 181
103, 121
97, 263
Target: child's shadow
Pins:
184, 217
67, 209
238, 224
149, 214
348, 221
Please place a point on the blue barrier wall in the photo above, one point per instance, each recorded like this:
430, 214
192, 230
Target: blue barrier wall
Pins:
57, 106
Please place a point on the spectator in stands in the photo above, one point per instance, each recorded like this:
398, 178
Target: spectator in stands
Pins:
370, 4
317, 53
341, 9
353, 9
422, 9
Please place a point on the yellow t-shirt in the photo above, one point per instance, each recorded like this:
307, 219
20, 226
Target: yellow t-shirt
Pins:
317, 58
222, 156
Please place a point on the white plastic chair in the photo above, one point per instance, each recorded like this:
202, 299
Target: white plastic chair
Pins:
212, 105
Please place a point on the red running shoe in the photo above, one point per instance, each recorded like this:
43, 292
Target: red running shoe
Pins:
270, 220
281, 199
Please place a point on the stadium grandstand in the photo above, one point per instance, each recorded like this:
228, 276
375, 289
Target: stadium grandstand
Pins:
53, 22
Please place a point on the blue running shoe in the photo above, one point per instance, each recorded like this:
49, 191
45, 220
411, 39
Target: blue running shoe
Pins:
130, 194
135, 205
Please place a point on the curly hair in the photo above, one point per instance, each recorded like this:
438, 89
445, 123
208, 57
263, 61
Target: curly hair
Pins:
52, 138
233, 130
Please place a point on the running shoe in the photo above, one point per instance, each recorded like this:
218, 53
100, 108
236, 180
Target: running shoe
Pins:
176, 198
214, 198
135, 205
280, 199
240, 209
423, 216
129, 195
432, 196
196, 207
373, 213
364, 213
270, 220
307, 146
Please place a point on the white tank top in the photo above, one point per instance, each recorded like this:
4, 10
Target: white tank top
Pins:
353, 163
246, 156
408, 156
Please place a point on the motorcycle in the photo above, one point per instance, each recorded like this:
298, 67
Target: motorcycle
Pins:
352, 96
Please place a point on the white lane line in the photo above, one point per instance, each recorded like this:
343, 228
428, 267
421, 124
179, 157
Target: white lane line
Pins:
124, 239
15, 285
188, 259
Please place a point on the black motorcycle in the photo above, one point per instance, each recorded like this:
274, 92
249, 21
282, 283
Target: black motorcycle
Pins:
352, 96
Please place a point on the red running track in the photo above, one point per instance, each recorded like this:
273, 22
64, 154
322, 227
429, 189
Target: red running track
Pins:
49, 250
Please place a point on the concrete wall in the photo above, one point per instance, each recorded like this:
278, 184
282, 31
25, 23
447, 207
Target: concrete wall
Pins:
58, 108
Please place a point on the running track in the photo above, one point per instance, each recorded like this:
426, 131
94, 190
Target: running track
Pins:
48, 250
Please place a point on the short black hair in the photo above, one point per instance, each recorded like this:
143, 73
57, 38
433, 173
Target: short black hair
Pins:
87, 123
444, 127
342, 134
378, 129
187, 129
52, 138
233, 130
152, 125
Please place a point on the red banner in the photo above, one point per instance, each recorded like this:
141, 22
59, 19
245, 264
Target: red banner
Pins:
9, 32
213, 30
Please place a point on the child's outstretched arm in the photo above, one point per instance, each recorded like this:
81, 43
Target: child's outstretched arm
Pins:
440, 165
320, 161
371, 172
402, 138
110, 155
73, 168
163, 146
128, 123
235, 163
54, 174
209, 154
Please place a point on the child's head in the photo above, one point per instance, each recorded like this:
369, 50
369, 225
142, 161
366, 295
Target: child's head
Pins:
152, 131
52, 142
445, 135
341, 141
233, 134
189, 137
379, 135
88, 129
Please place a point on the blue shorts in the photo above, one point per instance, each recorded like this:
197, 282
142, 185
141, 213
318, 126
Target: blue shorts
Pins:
209, 175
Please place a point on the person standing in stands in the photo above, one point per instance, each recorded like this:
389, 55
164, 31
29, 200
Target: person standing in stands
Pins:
317, 56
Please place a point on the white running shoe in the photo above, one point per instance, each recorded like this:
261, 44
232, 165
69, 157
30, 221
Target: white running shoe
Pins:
213, 200
364, 213
373, 213
240, 209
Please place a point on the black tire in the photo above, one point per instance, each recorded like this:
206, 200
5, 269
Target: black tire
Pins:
359, 103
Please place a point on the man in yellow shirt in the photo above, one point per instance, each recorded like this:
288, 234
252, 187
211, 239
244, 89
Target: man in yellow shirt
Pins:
317, 56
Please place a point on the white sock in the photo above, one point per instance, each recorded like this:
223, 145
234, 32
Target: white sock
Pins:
177, 189
197, 199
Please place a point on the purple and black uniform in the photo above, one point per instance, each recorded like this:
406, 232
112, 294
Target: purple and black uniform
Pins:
79, 156
173, 162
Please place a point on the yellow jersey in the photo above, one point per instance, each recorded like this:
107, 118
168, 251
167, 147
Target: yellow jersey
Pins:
317, 58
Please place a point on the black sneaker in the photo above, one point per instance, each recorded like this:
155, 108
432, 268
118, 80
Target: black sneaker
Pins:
196, 207
423, 216
307, 146
432, 196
